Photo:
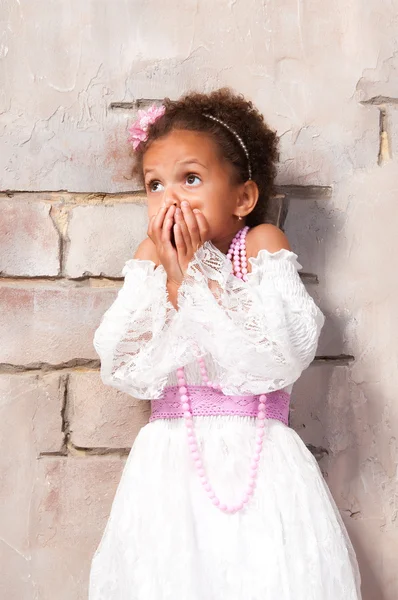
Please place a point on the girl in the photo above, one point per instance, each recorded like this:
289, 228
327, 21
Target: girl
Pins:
219, 498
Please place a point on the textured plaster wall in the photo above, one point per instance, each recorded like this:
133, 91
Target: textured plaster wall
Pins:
71, 75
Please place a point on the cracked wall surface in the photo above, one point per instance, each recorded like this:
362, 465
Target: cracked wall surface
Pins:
73, 75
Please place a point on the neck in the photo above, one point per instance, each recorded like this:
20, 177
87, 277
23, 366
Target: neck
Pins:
223, 243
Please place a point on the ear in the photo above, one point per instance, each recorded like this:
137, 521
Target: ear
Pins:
247, 198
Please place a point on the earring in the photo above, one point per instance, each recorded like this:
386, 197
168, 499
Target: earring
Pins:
239, 217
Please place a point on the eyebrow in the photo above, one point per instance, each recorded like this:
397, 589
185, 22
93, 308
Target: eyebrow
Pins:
191, 161
183, 162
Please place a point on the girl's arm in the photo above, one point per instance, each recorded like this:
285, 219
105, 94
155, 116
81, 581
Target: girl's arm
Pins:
136, 339
261, 333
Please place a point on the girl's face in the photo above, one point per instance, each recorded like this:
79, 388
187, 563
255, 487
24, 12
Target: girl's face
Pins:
187, 165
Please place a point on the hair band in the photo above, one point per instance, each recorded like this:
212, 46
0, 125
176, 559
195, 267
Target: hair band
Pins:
237, 136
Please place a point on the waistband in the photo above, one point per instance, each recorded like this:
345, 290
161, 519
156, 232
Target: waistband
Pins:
206, 401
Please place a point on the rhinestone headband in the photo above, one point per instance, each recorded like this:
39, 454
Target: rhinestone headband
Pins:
237, 136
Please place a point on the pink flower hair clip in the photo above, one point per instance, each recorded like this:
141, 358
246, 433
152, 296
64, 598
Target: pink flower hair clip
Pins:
139, 129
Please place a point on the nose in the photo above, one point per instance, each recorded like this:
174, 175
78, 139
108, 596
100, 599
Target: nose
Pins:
170, 197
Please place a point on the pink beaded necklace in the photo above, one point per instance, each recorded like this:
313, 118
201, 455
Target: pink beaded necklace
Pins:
236, 253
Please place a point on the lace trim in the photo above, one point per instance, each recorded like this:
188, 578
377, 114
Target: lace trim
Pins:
210, 402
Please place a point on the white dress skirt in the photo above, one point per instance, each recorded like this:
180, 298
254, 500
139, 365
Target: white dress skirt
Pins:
164, 539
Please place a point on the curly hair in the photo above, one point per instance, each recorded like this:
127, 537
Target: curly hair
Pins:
240, 115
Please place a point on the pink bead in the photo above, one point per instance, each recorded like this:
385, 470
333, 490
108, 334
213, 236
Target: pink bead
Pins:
237, 255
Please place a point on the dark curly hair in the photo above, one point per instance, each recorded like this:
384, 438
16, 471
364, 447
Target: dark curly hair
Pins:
261, 142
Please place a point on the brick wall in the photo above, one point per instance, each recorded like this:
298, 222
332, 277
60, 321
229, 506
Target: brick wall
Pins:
64, 433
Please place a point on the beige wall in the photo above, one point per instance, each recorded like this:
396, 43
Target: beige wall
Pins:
325, 75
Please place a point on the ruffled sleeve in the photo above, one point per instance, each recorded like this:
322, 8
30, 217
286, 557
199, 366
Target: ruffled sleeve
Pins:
141, 338
261, 333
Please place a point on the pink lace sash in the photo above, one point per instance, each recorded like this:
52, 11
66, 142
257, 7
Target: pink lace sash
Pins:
210, 402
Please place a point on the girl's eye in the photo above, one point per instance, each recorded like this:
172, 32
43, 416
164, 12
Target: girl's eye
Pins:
155, 186
192, 180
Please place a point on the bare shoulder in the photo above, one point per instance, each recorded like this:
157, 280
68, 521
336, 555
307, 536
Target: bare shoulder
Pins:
147, 251
265, 237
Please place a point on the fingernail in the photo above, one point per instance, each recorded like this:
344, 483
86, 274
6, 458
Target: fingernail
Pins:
196, 210
184, 203
178, 210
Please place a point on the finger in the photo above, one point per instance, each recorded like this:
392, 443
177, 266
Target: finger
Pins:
180, 242
192, 224
179, 217
158, 221
203, 225
166, 228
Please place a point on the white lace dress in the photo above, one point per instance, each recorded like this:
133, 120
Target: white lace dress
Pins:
164, 539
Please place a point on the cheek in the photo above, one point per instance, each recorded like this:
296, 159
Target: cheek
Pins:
153, 206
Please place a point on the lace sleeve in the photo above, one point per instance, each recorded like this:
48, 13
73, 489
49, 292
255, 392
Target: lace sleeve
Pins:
136, 339
261, 333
